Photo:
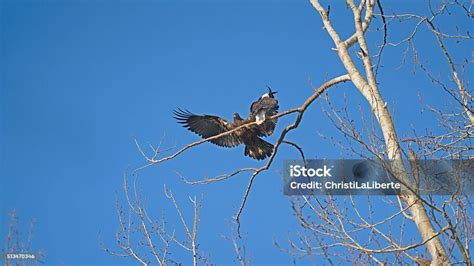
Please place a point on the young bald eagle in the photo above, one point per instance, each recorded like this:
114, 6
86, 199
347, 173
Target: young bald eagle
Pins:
209, 125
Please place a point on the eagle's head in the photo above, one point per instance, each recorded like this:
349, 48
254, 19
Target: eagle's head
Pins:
270, 93
237, 117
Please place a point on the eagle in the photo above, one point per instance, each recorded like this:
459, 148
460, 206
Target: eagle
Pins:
255, 147
265, 106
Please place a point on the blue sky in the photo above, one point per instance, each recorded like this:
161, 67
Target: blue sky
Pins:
80, 79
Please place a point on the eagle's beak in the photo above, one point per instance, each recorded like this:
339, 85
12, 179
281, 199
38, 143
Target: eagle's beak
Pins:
270, 90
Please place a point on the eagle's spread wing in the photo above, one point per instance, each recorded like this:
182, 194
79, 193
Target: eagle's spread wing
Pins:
207, 126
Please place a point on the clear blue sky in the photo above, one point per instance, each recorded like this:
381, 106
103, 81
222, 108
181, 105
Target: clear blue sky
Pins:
80, 78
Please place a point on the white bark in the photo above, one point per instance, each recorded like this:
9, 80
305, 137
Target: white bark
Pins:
370, 91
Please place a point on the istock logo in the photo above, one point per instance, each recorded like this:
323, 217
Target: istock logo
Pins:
298, 170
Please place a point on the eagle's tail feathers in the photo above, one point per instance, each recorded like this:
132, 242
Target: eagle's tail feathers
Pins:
259, 150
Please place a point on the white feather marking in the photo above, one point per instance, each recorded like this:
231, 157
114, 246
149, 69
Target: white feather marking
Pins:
260, 117
265, 95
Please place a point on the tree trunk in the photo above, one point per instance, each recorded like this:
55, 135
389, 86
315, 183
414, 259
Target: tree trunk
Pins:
370, 91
